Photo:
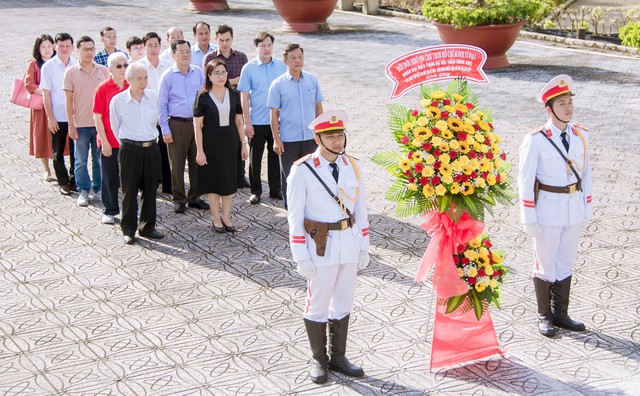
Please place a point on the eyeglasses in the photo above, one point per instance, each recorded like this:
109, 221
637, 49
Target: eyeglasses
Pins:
219, 74
184, 52
122, 66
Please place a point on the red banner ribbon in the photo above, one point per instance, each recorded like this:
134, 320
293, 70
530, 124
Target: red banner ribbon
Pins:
437, 63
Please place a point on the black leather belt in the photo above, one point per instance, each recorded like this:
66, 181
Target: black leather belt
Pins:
181, 119
342, 224
140, 144
570, 189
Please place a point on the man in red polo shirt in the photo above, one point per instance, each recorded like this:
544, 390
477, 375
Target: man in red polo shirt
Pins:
108, 143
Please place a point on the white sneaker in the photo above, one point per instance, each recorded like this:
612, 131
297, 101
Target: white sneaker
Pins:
108, 219
83, 198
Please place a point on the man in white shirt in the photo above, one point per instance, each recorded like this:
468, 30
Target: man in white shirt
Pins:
202, 35
52, 77
133, 115
173, 34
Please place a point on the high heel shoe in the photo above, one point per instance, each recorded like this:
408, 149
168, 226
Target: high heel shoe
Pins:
230, 229
220, 230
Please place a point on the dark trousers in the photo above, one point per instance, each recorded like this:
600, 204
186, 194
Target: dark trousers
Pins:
183, 150
293, 151
141, 171
59, 141
110, 183
263, 136
164, 158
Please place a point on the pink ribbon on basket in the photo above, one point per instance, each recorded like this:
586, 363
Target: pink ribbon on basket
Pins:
446, 237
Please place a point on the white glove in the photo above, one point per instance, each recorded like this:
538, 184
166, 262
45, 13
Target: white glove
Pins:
532, 229
307, 269
363, 260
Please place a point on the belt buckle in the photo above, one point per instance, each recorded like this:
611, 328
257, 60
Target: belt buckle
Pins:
344, 224
571, 188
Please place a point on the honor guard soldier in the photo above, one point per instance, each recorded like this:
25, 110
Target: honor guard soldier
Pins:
554, 185
329, 235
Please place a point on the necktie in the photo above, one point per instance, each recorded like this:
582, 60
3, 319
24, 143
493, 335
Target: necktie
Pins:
565, 140
334, 172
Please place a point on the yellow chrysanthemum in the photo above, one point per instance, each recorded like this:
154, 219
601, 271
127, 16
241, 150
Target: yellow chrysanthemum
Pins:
480, 114
444, 158
405, 164
464, 160
407, 127
497, 259
468, 188
450, 109
479, 137
417, 142
480, 286
482, 260
495, 148
425, 103
498, 139
440, 190
428, 171
422, 121
474, 117
455, 188
456, 166
474, 163
483, 148
412, 186
428, 191
421, 133
489, 270
469, 129
484, 250
467, 169
430, 159
442, 125
447, 134
503, 177
472, 271
436, 140
454, 145
461, 108
447, 179
469, 121
464, 147
470, 254
454, 124
491, 180
492, 137
445, 169
438, 95
474, 243
456, 97
498, 163
493, 283
417, 157
481, 183
485, 164
483, 125
460, 273
434, 112
443, 146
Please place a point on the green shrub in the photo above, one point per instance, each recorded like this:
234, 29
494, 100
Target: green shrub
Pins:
461, 13
630, 34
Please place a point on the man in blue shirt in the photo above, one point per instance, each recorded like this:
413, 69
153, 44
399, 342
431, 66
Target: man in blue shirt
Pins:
109, 39
202, 35
255, 79
176, 95
295, 100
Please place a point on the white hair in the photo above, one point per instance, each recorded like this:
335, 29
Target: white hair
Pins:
115, 57
128, 75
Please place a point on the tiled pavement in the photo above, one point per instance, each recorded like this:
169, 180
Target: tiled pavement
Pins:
202, 313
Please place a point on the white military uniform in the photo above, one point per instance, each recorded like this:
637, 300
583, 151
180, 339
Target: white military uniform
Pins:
559, 216
330, 293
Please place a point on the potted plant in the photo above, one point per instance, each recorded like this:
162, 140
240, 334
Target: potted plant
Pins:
492, 25
305, 16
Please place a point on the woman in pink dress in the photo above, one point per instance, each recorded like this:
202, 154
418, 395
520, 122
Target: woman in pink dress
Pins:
39, 138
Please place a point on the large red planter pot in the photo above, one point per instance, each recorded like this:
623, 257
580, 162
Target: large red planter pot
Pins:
495, 40
208, 5
304, 16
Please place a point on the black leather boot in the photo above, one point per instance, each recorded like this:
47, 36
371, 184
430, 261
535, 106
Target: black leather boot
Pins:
338, 330
545, 317
560, 292
317, 333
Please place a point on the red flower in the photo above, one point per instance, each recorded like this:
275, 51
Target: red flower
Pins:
498, 273
472, 281
412, 180
462, 136
487, 141
410, 155
434, 103
487, 243
453, 154
437, 164
456, 260
490, 125
465, 178
444, 115
474, 174
472, 154
407, 173
503, 156
490, 155
435, 181
481, 272
427, 146
476, 127
457, 178
465, 261
498, 178
484, 175
446, 102
404, 140
470, 106
435, 130
424, 181
459, 113
480, 155
415, 113
436, 153
418, 167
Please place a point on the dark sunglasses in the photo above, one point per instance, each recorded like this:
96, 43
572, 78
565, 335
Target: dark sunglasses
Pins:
121, 66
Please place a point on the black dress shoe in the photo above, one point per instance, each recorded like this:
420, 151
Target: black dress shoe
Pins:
275, 195
254, 199
219, 230
167, 190
179, 207
129, 240
230, 229
199, 204
244, 183
152, 235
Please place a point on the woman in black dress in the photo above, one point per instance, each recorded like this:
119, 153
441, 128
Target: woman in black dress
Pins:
217, 116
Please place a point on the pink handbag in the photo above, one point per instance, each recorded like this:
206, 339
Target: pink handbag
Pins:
21, 97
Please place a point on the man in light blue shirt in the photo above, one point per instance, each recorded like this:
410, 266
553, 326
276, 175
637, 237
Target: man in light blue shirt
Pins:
176, 95
295, 99
202, 35
255, 79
